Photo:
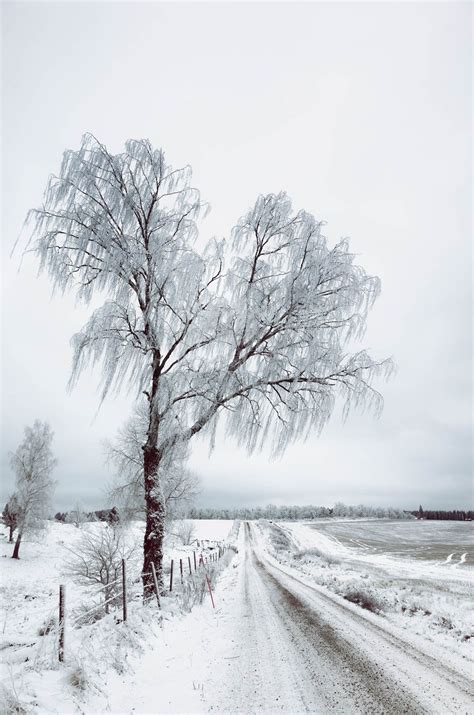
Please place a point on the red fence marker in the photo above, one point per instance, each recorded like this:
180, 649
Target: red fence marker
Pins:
210, 592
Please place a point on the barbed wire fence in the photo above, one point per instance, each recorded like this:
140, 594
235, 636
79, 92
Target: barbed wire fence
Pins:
187, 578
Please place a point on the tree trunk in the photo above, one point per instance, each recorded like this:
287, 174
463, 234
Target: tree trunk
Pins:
155, 521
12, 529
16, 550
108, 596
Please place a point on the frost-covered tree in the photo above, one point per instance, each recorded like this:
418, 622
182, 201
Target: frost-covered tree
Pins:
179, 484
76, 516
183, 530
10, 515
256, 329
33, 463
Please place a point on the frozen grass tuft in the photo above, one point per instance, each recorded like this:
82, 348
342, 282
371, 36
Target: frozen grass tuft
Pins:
364, 599
49, 625
10, 703
308, 556
77, 678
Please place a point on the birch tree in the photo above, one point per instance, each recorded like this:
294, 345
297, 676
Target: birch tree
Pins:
33, 463
179, 484
255, 330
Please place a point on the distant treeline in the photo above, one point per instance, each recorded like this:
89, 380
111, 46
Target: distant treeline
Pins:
111, 516
287, 513
294, 513
454, 515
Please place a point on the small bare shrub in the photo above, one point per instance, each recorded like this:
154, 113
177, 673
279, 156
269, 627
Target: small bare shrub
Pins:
97, 559
445, 622
364, 599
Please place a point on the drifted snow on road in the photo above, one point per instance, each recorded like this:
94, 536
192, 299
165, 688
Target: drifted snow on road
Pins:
278, 644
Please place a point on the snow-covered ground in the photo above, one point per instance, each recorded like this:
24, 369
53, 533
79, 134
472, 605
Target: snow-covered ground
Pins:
405, 570
29, 606
281, 638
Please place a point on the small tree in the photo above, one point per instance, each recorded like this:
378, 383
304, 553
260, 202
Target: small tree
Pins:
77, 516
10, 515
184, 530
33, 463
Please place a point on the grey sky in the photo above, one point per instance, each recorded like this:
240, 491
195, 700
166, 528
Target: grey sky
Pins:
361, 112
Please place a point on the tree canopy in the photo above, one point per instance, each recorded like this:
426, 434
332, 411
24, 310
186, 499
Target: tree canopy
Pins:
255, 328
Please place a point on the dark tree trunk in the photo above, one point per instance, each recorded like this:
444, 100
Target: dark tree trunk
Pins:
16, 550
155, 522
12, 529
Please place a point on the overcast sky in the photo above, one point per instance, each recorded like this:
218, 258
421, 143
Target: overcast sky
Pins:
361, 112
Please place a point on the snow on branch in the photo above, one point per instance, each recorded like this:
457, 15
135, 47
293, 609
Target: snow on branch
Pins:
256, 328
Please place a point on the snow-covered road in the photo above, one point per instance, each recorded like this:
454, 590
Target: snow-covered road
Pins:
277, 643
303, 650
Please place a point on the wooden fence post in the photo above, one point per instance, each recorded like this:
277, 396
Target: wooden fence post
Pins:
189, 563
155, 583
171, 575
194, 555
62, 624
124, 591
181, 569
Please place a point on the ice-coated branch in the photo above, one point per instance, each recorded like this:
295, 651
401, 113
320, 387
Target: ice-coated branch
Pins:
259, 330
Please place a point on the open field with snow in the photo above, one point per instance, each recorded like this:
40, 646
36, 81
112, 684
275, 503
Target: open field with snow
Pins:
440, 542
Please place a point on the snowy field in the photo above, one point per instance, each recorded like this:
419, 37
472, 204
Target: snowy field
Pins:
440, 542
29, 604
418, 574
